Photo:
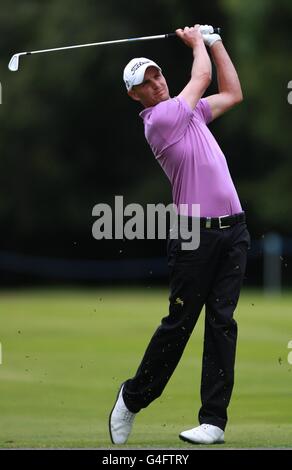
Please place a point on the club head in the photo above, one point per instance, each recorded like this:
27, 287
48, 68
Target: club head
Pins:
14, 63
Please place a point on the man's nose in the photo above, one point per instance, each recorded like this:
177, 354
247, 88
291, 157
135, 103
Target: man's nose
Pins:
155, 84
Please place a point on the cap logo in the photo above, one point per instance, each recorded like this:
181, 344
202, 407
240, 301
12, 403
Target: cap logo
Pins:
138, 65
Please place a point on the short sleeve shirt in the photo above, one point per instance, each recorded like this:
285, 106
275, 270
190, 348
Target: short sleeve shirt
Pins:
190, 156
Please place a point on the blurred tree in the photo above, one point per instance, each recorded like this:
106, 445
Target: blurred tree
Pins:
261, 42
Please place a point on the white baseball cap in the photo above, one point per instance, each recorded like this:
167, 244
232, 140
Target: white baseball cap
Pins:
135, 70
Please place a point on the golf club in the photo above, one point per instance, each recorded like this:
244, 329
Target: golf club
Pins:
14, 61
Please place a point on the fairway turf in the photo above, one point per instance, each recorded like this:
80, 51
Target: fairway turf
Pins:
65, 353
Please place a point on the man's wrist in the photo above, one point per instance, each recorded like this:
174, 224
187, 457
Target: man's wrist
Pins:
211, 39
215, 40
199, 45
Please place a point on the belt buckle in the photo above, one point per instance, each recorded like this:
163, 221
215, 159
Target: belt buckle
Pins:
220, 222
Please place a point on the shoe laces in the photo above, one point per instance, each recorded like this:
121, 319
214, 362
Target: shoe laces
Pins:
127, 416
205, 426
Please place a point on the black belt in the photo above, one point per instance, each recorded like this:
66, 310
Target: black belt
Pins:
224, 221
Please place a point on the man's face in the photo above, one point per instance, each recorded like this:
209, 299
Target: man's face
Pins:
153, 90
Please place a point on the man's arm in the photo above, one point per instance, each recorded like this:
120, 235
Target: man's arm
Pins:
230, 92
201, 70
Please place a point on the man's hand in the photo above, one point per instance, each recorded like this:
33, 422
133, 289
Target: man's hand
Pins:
192, 37
208, 36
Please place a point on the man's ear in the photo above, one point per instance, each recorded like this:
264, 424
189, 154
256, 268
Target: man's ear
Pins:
133, 95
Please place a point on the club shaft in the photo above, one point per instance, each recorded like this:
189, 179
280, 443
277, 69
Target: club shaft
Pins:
14, 61
104, 43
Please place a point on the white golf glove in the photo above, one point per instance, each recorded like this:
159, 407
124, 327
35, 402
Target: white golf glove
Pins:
206, 29
209, 37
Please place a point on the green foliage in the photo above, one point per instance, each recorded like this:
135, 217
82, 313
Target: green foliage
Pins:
261, 44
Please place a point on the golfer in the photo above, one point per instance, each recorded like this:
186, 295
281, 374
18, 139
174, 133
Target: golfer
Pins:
211, 276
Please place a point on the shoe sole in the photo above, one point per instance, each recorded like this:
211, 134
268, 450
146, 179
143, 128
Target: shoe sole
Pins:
185, 439
110, 416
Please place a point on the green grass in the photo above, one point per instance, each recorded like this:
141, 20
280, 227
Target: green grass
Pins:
66, 352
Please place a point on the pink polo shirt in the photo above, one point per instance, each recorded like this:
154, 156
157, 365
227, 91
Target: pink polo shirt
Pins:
190, 156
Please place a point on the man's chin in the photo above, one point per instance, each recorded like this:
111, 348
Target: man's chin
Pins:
161, 98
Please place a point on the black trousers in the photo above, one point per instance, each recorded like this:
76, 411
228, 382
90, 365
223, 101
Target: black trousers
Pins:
211, 275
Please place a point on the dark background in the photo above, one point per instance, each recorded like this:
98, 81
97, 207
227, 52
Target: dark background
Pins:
71, 138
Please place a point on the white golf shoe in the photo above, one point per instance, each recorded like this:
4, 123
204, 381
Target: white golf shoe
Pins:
120, 420
203, 434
